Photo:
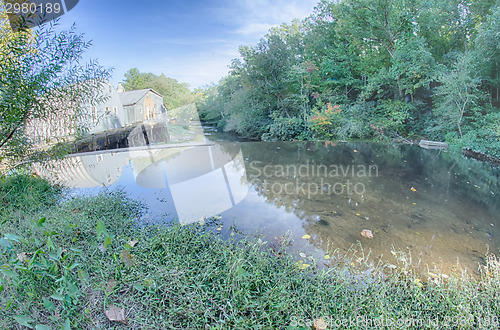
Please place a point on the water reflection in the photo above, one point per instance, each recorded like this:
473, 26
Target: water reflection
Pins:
439, 206
202, 180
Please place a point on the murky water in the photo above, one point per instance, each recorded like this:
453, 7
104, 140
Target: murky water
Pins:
440, 207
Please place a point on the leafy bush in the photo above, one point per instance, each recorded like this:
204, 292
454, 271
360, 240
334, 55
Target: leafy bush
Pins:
287, 129
483, 135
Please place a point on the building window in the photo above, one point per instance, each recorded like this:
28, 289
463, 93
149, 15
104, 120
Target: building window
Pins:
115, 111
140, 109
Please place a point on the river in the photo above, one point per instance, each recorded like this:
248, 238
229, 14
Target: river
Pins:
439, 208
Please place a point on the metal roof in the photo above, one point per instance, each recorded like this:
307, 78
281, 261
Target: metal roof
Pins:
132, 97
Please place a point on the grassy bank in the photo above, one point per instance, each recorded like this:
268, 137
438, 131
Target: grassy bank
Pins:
80, 261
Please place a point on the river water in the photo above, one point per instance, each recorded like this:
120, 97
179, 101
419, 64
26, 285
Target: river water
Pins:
440, 208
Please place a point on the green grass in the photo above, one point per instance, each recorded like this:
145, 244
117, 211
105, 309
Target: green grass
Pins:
64, 265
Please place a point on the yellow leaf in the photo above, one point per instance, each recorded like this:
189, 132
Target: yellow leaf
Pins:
414, 203
306, 236
327, 256
413, 189
358, 214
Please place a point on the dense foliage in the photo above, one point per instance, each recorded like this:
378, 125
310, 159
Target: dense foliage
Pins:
175, 94
40, 74
364, 69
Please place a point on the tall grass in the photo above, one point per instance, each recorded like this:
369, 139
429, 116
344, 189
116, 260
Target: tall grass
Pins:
66, 264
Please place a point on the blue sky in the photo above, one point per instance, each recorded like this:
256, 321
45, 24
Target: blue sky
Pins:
191, 41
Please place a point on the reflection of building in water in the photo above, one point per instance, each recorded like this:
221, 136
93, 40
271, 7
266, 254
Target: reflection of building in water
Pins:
203, 180
94, 170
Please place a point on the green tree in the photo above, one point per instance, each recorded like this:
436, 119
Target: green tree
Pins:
41, 77
175, 94
458, 93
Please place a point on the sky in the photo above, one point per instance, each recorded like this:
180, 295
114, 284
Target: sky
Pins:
192, 41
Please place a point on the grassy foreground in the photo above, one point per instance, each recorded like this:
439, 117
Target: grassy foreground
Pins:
81, 263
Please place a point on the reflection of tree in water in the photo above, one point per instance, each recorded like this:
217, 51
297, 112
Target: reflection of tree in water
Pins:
441, 201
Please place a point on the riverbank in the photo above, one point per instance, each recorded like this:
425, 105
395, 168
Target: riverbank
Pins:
65, 261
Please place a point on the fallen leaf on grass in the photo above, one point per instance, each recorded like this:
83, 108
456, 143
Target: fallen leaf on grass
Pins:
413, 189
367, 233
110, 286
327, 256
22, 257
115, 314
320, 324
126, 257
133, 242
306, 236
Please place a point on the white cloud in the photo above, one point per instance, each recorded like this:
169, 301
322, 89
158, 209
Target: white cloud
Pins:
254, 29
257, 16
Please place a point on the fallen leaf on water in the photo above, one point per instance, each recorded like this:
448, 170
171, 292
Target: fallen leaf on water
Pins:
301, 264
355, 150
306, 236
358, 214
133, 242
414, 203
367, 233
219, 229
320, 324
115, 314
413, 189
